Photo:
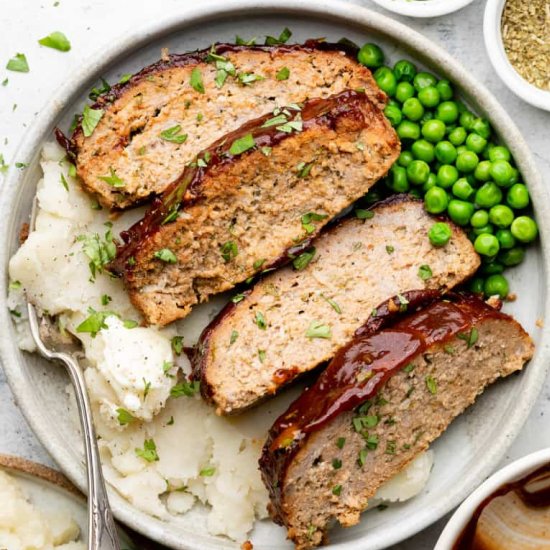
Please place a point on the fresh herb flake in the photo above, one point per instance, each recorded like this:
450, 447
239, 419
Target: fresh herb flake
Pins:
196, 80
94, 322
425, 272
56, 40
166, 255
243, 144
185, 388
261, 355
470, 338
149, 451
177, 344
64, 182
318, 330
173, 135
18, 63
340, 442
124, 417
431, 384
303, 260
362, 214
238, 298
90, 119
207, 472
283, 74
337, 490
233, 337
282, 39
260, 321
229, 251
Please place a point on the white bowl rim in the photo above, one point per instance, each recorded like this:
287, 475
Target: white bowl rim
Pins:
343, 12
495, 50
426, 8
512, 472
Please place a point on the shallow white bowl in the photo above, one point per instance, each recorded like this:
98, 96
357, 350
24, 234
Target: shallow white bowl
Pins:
513, 472
495, 49
423, 8
475, 443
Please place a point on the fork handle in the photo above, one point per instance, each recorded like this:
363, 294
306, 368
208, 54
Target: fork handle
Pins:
102, 531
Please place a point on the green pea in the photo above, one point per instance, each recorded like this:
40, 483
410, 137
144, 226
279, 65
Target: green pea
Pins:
413, 109
408, 130
394, 103
445, 152
501, 215
463, 190
445, 90
458, 136
429, 96
524, 229
393, 114
423, 150
485, 230
423, 80
460, 211
404, 91
502, 173
483, 171
518, 196
430, 182
447, 112
487, 245
371, 56
515, 176
433, 130
512, 257
505, 238
476, 285
475, 143
480, 219
436, 200
404, 70
496, 285
418, 172
487, 151
491, 267
447, 175
467, 161
399, 181
386, 80
428, 115
498, 152
440, 234
461, 149
405, 158
488, 195
467, 120
481, 127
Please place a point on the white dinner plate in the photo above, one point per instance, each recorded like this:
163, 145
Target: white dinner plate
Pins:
474, 444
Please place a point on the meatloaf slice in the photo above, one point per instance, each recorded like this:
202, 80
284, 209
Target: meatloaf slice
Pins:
382, 400
292, 321
248, 199
154, 124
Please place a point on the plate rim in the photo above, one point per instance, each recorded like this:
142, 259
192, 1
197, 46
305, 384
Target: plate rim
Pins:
354, 16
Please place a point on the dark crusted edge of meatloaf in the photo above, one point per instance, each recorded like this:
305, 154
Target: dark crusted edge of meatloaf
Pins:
279, 451
199, 56
186, 189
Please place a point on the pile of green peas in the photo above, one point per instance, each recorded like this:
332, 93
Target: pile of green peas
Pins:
450, 158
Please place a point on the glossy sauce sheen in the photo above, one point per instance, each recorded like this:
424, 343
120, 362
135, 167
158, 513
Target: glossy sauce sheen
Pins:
187, 188
539, 498
360, 369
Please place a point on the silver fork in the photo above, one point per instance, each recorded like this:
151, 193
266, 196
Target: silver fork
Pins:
53, 346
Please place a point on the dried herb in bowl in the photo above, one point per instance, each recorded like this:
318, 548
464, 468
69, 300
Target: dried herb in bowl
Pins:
526, 37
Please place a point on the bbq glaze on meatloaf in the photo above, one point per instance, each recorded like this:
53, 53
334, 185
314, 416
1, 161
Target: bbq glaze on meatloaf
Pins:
309, 314
252, 199
200, 97
380, 403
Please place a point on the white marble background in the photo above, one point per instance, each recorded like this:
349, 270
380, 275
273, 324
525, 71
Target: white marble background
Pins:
92, 23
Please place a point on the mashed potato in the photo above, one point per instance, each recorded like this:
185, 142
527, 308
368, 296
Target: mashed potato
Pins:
25, 527
162, 448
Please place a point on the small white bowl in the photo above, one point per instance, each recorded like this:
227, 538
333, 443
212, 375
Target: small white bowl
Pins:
422, 8
495, 49
513, 472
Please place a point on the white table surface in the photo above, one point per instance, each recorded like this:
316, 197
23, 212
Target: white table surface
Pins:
89, 24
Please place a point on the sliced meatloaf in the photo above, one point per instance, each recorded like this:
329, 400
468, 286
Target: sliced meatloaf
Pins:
251, 199
294, 320
382, 400
154, 124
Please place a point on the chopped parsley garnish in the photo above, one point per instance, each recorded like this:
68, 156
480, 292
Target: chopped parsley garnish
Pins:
166, 255
149, 451
15, 285
170, 422
207, 472
390, 447
403, 303
258, 263
238, 298
362, 457
283, 74
311, 217
318, 330
361, 423
425, 272
224, 69
243, 144
229, 251
372, 442
304, 169
266, 151
248, 78
90, 119
100, 252
295, 125
196, 80
233, 337
303, 260
409, 367
261, 355
431, 384
282, 39
105, 299
5, 82
3, 166
72, 170
449, 349
130, 323
337, 490
336, 463
112, 179
124, 78
63, 182
21, 165
167, 366
146, 387
260, 321
242, 42
94, 322
390, 249
278, 119
187, 388
360, 146
56, 40
124, 417
173, 135
332, 304
470, 338
340, 442
177, 344
18, 63
364, 214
